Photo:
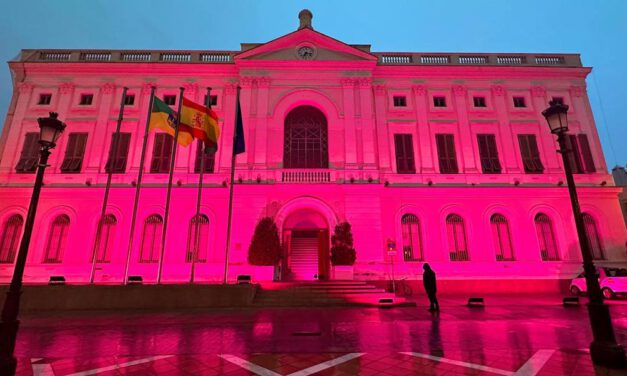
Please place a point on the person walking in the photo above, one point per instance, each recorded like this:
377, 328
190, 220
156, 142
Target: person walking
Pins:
428, 280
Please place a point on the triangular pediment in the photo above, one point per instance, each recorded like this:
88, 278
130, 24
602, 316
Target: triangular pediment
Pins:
305, 44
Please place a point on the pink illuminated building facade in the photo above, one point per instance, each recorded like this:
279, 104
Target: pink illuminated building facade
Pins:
445, 154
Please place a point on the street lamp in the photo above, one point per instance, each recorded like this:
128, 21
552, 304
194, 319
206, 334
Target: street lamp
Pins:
50, 129
604, 350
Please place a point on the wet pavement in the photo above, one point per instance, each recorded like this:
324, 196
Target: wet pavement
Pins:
511, 336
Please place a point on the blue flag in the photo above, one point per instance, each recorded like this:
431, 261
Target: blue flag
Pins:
239, 146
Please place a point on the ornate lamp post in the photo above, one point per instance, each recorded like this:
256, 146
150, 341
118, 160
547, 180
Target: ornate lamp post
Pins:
50, 129
604, 350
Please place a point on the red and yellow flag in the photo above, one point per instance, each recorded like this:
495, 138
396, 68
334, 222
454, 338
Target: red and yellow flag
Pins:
198, 122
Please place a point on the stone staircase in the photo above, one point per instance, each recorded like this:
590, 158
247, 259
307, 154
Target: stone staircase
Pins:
323, 293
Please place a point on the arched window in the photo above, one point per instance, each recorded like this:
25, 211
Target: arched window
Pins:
151, 239
412, 245
198, 225
594, 241
105, 243
502, 238
10, 240
458, 249
305, 144
57, 238
546, 237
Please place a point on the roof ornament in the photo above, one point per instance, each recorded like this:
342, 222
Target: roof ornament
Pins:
305, 17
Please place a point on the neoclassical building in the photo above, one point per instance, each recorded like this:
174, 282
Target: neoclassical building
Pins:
445, 154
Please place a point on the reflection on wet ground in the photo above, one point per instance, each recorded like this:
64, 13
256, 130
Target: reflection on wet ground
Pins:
503, 338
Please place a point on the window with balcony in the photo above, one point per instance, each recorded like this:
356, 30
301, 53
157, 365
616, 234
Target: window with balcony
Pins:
488, 153
447, 157
161, 153
404, 148
30, 154
210, 158
580, 158
118, 153
305, 144
74, 153
530, 154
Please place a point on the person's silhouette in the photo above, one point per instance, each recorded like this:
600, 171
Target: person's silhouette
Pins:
428, 280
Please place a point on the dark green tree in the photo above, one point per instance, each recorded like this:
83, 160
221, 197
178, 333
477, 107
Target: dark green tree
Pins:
342, 251
265, 247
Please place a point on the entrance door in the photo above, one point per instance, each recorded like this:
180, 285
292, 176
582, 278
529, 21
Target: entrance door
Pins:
303, 258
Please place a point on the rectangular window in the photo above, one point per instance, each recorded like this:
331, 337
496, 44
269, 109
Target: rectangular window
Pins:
404, 147
558, 100
530, 154
161, 154
170, 100
30, 154
209, 158
86, 99
519, 102
439, 101
118, 154
479, 101
44, 99
214, 100
400, 101
74, 153
488, 154
581, 161
129, 100
446, 153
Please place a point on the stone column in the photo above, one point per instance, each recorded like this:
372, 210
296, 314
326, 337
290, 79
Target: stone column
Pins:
15, 137
225, 149
382, 128
426, 163
184, 156
582, 106
350, 137
467, 143
137, 139
548, 141
368, 124
511, 160
261, 131
100, 137
66, 90
248, 107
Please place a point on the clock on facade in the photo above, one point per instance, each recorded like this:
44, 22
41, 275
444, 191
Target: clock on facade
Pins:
306, 53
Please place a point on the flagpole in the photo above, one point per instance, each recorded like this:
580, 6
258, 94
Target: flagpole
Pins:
197, 217
138, 186
112, 154
232, 183
167, 199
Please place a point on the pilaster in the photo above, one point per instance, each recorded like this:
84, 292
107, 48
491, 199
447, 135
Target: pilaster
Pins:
382, 128
511, 160
467, 143
350, 136
549, 142
225, 150
261, 131
15, 139
134, 153
425, 163
100, 138
367, 123
66, 90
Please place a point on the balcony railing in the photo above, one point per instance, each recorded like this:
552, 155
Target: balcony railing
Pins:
305, 176
410, 58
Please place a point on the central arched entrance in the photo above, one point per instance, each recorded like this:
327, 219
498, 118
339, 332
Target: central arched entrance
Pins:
305, 246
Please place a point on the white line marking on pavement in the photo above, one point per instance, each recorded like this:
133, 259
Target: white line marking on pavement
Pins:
121, 365
461, 364
252, 367
535, 363
328, 364
41, 369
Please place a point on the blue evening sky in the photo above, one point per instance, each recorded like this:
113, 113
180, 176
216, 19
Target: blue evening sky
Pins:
595, 29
